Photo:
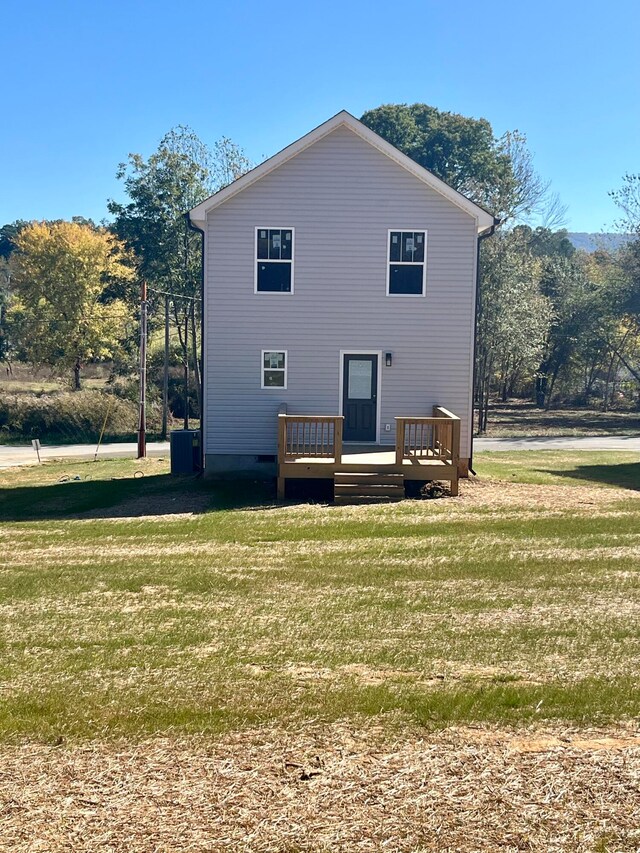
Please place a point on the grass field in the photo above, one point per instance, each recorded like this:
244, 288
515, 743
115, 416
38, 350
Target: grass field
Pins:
520, 418
391, 673
24, 379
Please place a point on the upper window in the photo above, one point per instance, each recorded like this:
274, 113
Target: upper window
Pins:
274, 369
407, 267
274, 260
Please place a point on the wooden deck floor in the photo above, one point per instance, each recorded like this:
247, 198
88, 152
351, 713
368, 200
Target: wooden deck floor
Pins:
367, 458
379, 456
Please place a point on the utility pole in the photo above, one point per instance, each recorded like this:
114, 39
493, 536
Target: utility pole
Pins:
186, 370
142, 423
165, 380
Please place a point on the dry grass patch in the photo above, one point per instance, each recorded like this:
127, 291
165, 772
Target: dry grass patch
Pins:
326, 788
432, 675
495, 494
516, 602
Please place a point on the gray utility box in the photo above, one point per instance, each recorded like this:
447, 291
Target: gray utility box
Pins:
185, 451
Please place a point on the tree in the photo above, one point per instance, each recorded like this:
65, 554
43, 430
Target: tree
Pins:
620, 315
628, 200
61, 273
578, 306
8, 234
496, 173
544, 242
513, 317
229, 163
174, 179
10, 231
5, 292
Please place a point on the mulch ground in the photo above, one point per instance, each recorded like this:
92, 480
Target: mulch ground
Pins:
327, 788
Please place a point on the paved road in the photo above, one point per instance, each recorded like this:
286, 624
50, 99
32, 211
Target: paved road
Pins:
568, 442
12, 456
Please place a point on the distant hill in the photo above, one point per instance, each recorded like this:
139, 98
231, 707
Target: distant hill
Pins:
591, 242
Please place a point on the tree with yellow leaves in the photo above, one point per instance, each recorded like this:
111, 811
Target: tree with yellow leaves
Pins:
60, 307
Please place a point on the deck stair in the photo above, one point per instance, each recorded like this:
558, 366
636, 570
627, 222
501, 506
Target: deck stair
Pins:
364, 487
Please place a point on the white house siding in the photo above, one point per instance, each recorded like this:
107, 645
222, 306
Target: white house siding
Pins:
341, 195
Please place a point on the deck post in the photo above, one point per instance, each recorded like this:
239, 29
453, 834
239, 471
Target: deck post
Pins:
399, 440
282, 446
455, 453
337, 439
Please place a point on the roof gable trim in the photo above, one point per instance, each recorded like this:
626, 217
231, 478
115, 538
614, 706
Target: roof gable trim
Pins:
484, 220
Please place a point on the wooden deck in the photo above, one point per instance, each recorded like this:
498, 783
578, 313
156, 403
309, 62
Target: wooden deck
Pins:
426, 448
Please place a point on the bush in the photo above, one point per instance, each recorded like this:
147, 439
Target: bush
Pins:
432, 489
425, 489
67, 416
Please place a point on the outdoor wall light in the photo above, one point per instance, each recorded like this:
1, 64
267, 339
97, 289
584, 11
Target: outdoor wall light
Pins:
388, 359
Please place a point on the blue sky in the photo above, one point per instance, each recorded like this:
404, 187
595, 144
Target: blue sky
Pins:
85, 83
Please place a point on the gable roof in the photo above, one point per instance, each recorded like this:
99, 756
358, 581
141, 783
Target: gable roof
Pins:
484, 219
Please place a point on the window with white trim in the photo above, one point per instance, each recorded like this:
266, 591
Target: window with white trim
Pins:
274, 260
406, 271
274, 368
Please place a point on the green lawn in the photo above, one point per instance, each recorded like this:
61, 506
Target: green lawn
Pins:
133, 603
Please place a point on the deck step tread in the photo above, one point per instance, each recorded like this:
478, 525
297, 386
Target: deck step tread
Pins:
391, 479
399, 484
366, 499
355, 486
380, 491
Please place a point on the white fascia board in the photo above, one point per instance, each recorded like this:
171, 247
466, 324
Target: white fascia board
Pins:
484, 220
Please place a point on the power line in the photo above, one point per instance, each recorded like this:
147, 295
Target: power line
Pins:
175, 295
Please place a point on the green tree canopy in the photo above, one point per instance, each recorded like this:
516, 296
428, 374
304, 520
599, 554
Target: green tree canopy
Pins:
182, 172
152, 223
61, 273
514, 317
544, 242
8, 235
496, 173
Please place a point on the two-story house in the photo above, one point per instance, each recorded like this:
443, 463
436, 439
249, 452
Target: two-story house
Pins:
339, 283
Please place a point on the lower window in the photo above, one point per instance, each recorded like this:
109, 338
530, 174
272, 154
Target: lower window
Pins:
274, 368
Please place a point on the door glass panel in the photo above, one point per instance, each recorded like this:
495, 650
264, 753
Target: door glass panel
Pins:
360, 373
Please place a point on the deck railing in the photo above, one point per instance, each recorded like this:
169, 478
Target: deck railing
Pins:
311, 436
436, 438
419, 440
